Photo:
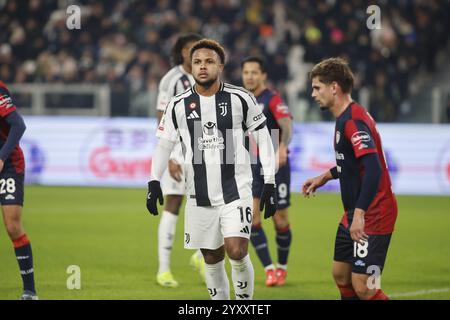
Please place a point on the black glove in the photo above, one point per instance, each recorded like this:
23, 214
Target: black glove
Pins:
154, 193
269, 199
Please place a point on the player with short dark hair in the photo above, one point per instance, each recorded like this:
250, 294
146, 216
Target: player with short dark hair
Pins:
363, 236
12, 175
175, 81
279, 123
210, 120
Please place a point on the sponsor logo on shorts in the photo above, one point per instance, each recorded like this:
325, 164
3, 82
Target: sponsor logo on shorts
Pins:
360, 263
212, 291
245, 230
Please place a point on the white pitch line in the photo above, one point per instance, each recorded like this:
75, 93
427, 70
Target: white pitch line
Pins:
419, 293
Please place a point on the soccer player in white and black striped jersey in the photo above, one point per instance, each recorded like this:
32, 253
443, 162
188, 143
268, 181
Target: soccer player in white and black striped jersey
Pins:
210, 120
176, 81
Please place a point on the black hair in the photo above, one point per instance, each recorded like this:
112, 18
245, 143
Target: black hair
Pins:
258, 60
182, 41
334, 69
209, 44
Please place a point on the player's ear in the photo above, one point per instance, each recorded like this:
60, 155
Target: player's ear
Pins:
334, 87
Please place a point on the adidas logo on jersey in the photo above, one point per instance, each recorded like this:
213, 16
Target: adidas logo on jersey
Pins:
10, 197
193, 115
246, 230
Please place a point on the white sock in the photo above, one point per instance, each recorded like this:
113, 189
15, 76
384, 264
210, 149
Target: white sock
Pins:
269, 267
217, 281
282, 266
243, 277
166, 236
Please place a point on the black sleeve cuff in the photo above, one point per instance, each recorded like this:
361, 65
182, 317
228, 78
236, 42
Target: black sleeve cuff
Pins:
334, 173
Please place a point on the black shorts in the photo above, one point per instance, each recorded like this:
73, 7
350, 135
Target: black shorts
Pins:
11, 188
282, 179
363, 258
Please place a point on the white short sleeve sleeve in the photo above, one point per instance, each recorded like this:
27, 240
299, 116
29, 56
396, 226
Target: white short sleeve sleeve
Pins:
255, 115
168, 128
162, 100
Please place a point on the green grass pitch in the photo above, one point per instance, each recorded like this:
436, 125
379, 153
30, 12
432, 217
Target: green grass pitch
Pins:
110, 235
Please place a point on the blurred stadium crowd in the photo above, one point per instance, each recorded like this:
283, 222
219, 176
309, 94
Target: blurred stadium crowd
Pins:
127, 43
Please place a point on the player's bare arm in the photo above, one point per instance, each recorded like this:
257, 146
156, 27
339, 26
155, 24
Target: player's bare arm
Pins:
311, 185
159, 115
357, 228
175, 170
286, 136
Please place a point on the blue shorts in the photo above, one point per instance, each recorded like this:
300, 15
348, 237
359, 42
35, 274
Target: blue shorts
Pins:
282, 179
362, 258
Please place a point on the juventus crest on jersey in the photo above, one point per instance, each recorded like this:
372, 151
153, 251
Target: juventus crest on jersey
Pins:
211, 131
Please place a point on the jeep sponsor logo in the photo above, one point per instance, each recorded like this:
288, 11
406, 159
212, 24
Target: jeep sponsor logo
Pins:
360, 136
